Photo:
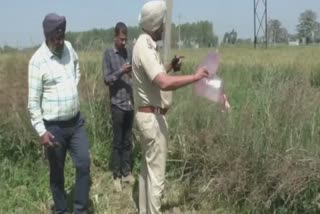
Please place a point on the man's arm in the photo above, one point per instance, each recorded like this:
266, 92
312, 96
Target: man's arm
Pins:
109, 76
34, 98
77, 66
157, 74
169, 83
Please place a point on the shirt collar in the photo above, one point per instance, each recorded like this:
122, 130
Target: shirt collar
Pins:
150, 41
48, 52
115, 50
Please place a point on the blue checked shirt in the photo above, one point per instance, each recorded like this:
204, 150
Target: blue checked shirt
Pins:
53, 93
120, 86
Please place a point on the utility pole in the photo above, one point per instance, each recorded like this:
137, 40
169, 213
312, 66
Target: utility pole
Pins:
260, 22
167, 33
179, 28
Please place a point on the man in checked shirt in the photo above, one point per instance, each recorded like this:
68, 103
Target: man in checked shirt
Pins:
54, 108
117, 76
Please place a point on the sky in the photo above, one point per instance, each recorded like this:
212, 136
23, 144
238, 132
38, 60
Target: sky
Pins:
21, 20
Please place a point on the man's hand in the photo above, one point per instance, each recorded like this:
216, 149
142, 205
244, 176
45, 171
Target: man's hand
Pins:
47, 139
201, 73
126, 68
176, 62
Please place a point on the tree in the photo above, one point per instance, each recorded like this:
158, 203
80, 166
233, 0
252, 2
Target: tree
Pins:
244, 41
317, 33
307, 25
293, 37
196, 34
226, 38
230, 37
283, 35
274, 26
192, 34
276, 32
9, 49
98, 38
215, 41
233, 37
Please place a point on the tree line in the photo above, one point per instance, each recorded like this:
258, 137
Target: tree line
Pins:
307, 31
198, 34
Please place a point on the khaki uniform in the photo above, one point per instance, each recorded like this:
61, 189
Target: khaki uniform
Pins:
146, 65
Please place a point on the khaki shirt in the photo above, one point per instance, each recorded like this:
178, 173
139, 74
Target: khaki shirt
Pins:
146, 65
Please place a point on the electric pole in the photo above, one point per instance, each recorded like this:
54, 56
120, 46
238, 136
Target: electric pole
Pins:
260, 22
167, 33
179, 28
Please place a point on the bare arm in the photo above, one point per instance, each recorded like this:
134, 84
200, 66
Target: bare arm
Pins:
77, 67
169, 83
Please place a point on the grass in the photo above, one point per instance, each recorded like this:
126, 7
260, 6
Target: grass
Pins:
263, 157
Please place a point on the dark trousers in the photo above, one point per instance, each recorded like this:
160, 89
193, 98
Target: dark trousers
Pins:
121, 157
70, 135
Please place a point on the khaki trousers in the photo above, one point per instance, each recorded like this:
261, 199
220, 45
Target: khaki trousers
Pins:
154, 134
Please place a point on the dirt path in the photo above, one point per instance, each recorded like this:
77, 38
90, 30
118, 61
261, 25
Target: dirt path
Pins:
104, 200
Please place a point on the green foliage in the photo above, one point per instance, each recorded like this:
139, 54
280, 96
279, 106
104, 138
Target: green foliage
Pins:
98, 39
276, 32
262, 157
8, 49
230, 37
308, 25
200, 33
315, 77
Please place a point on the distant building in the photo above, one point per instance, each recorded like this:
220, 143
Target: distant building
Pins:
180, 44
294, 43
194, 44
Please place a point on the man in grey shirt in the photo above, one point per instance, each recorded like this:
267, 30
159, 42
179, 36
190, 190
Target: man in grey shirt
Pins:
117, 76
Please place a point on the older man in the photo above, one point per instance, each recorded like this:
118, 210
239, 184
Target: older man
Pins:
54, 108
152, 88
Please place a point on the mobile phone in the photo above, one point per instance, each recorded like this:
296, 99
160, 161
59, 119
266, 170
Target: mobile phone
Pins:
56, 144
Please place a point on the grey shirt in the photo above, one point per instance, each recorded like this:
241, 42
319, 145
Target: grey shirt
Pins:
120, 85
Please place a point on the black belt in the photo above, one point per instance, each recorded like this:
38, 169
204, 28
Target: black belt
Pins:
69, 122
152, 109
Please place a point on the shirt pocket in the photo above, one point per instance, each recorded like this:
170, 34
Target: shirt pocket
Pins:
54, 75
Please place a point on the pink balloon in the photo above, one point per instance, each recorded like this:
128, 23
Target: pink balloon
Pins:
212, 87
211, 62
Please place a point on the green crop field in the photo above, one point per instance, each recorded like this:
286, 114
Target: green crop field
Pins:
262, 157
